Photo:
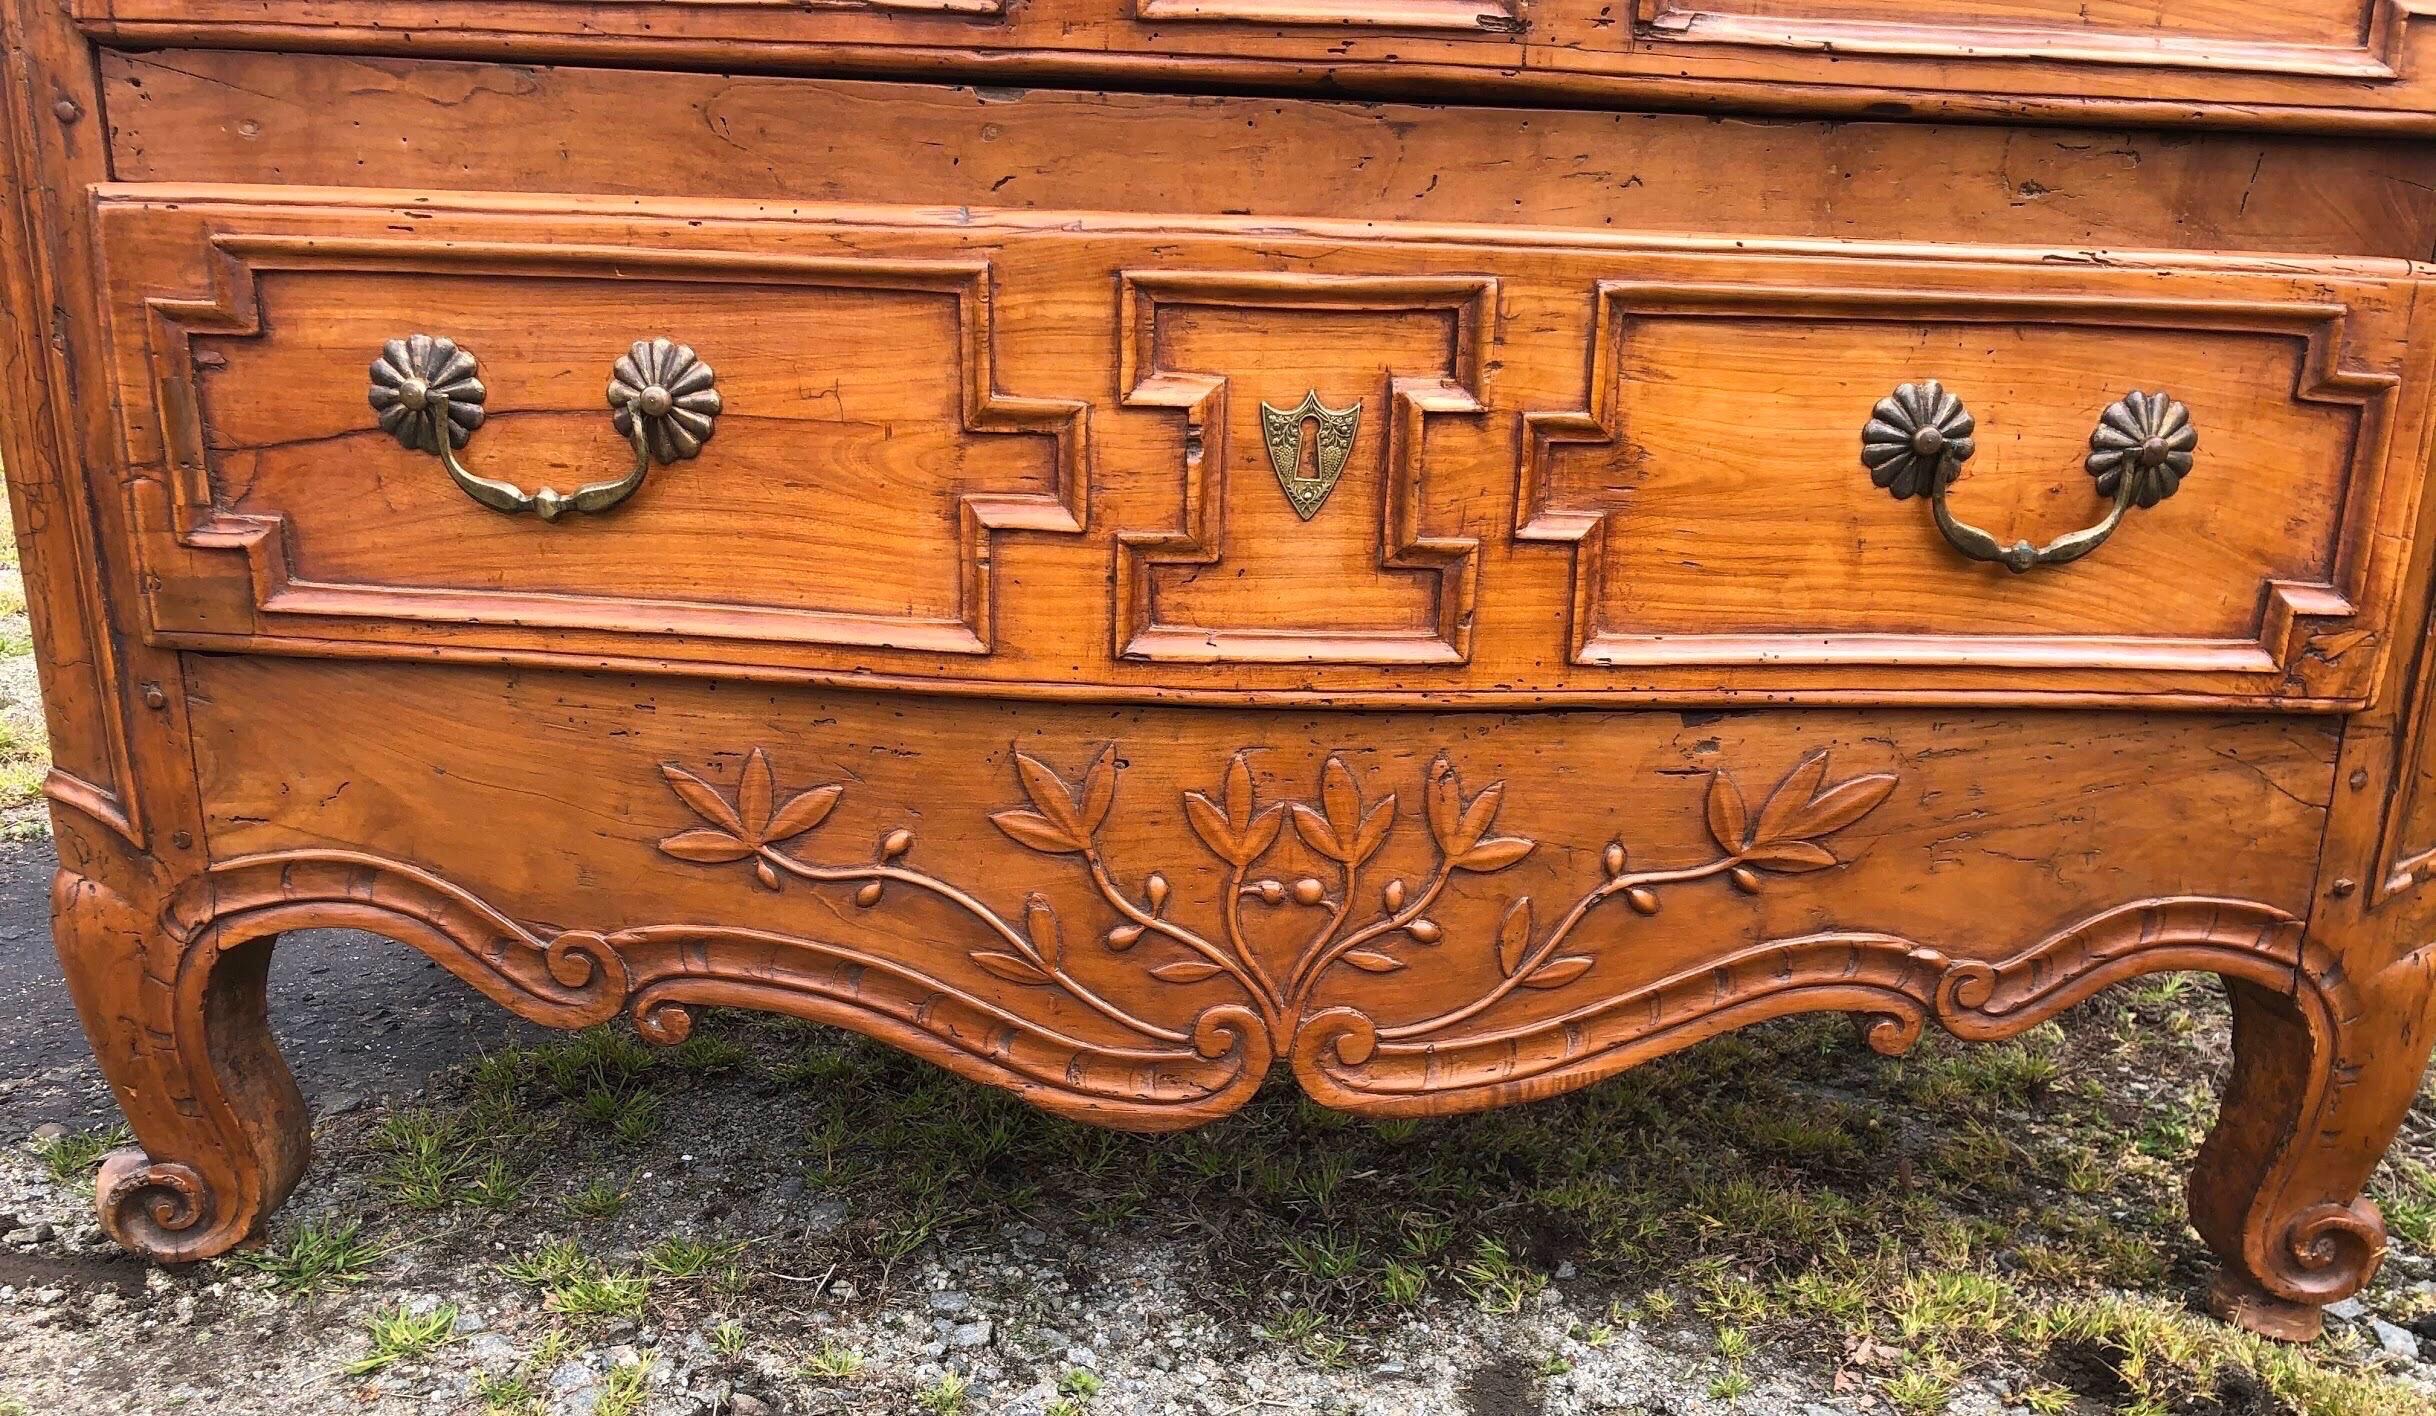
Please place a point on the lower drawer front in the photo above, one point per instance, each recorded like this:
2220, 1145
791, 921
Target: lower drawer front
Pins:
1131, 914
1203, 454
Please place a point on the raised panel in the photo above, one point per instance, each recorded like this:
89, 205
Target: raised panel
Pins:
860, 468
1721, 449
1247, 577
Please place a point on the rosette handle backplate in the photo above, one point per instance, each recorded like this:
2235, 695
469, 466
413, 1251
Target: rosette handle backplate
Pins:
1918, 437
427, 394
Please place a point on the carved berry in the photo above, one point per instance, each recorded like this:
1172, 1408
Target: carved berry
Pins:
1308, 891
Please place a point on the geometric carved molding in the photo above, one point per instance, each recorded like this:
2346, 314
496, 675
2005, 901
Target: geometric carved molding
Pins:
2376, 57
232, 309
2307, 631
1452, 561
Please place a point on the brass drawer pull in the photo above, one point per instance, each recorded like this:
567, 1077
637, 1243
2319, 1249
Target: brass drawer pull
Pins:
1918, 438
665, 406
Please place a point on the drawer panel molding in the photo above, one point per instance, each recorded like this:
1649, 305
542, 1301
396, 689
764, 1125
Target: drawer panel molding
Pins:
1566, 470
277, 592
2305, 627
1246, 306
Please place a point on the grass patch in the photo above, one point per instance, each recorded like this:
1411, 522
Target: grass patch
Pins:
398, 1335
72, 1156
315, 1255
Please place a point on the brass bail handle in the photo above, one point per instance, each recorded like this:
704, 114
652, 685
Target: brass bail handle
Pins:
1918, 437
428, 396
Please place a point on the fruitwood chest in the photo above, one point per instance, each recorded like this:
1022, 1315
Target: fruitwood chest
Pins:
1442, 547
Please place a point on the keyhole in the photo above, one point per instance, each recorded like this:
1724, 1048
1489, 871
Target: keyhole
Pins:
1306, 437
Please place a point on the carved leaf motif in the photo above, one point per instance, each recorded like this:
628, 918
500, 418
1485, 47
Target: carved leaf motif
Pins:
1482, 813
1372, 961
1375, 824
1556, 973
1211, 825
1040, 924
1443, 803
1186, 971
1033, 829
1729, 820
1341, 799
803, 811
1263, 834
1014, 968
1844, 803
1099, 790
703, 798
754, 788
1237, 787
1495, 853
1514, 936
1316, 832
1791, 857
1777, 815
1050, 794
705, 847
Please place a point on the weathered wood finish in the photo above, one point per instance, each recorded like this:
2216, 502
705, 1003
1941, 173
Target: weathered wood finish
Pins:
2318, 62
980, 688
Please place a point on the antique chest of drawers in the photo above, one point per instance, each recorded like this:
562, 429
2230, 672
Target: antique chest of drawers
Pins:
1440, 547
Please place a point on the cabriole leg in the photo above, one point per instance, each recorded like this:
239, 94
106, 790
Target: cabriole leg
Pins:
181, 1028
2321, 1079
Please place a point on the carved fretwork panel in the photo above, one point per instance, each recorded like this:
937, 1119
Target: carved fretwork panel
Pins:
1359, 579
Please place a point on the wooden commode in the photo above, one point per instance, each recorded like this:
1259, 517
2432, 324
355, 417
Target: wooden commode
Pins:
1441, 547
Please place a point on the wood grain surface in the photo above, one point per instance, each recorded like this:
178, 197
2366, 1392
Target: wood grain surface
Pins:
1014, 678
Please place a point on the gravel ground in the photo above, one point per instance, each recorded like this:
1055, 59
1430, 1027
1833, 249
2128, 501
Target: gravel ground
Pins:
777, 1218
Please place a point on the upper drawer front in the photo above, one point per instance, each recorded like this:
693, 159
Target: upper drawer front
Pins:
1168, 455
2309, 62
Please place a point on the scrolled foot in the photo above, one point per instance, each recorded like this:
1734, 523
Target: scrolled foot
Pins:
2320, 1080
163, 1211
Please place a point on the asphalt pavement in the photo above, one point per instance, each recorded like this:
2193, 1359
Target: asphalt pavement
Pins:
360, 1017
